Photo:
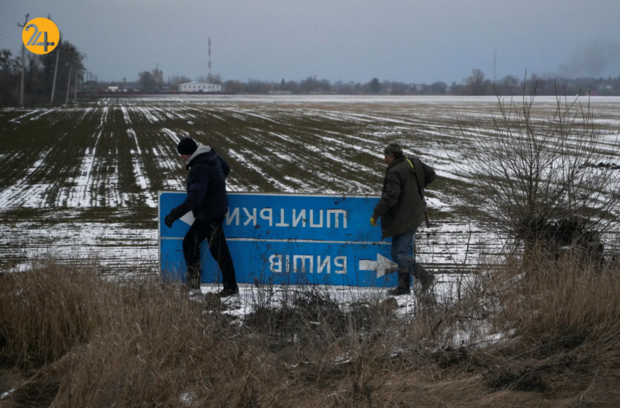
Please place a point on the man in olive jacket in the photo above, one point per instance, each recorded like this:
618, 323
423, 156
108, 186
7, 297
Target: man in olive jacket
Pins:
207, 200
401, 210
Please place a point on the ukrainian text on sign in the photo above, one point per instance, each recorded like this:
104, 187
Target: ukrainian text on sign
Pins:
289, 239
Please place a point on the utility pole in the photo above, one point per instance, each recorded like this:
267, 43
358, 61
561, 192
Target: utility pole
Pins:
68, 84
77, 71
56, 69
21, 92
209, 75
494, 67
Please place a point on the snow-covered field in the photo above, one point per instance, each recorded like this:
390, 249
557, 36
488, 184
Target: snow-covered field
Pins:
81, 182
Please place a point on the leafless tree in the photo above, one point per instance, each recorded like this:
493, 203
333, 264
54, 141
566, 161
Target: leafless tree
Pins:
542, 180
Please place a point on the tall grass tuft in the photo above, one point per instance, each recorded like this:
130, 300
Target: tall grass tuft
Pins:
561, 303
48, 312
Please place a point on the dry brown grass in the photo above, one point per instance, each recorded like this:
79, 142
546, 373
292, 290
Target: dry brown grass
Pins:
563, 303
71, 339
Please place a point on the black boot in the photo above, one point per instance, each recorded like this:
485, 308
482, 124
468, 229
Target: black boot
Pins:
403, 287
228, 291
425, 277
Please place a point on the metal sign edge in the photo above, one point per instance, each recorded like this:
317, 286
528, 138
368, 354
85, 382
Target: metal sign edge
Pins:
160, 192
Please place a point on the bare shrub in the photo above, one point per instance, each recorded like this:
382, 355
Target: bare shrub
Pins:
537, 177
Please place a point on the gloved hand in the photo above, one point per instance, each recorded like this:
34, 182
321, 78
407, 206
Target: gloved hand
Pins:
373, 222
169, 220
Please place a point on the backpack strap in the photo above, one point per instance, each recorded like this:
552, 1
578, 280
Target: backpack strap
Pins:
417, 178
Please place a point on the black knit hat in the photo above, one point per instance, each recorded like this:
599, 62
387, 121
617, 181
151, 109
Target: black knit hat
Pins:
394, 150
187, 146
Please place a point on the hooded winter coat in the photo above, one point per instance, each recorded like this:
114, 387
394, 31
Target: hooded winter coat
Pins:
206, 185
401, 207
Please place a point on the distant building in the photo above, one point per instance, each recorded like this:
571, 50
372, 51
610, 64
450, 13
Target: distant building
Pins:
199, 87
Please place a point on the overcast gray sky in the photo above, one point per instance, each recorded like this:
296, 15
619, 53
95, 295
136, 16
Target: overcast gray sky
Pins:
411, 41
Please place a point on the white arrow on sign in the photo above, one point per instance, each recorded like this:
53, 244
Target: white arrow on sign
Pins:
188, 218
382, 265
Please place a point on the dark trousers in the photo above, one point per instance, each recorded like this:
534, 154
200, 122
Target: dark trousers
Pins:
403, 254
212, 231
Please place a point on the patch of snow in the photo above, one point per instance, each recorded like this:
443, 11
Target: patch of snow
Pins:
171, 134
126, 114
6, 394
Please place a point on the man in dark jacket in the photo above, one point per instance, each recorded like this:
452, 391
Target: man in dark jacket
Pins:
402, 209
207, 200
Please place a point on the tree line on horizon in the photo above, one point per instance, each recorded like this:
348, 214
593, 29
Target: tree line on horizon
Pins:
39, 78
38, 74
474, 84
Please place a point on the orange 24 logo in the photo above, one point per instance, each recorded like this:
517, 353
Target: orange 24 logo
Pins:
40, 36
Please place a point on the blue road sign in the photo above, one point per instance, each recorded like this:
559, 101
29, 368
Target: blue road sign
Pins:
287, 239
